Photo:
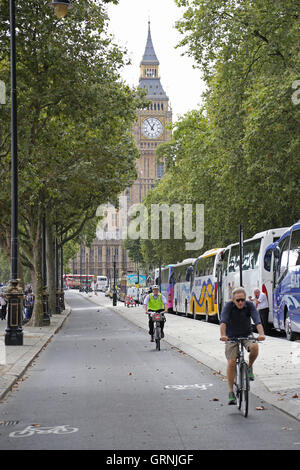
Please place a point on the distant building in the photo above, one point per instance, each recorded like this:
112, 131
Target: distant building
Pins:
149, 131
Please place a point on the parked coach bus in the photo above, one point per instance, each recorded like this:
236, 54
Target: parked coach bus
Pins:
102, 283
282, 261
254, 273
204, 293
182, 286
167, 284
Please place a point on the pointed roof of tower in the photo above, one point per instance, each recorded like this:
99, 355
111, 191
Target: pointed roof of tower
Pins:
150, 79
149, 56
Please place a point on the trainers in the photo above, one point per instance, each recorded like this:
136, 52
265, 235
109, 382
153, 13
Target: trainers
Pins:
231, 399
152, 339
250, 373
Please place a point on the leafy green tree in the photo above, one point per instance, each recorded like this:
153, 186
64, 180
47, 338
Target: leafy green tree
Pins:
74, 124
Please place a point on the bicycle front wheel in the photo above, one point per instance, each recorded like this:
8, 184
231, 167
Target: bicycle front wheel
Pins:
237, 385
244, 389
157, 337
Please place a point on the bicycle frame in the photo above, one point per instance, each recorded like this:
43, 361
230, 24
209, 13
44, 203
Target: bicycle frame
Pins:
157, 318
241, 379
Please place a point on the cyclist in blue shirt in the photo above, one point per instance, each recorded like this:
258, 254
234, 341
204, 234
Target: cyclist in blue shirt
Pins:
236, 322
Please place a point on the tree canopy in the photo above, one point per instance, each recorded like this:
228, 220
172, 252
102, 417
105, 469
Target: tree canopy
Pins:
75, 114
239, 154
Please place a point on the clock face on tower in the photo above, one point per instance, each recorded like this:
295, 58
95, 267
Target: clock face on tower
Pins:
152, 128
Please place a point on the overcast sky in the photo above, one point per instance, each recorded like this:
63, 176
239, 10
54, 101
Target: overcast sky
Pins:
129, 25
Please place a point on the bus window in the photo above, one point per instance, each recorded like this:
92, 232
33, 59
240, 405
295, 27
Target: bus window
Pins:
225, 262
294, 259
268, 260
210, 262
284, 252
234, 259
251, 252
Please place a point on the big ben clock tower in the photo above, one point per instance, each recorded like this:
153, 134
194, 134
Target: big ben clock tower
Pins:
108, 256
150, 129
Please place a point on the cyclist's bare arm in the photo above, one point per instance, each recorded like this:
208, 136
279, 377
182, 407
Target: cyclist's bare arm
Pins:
261, 333
223, 332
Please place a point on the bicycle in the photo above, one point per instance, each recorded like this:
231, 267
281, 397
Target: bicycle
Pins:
241, 385
157, 318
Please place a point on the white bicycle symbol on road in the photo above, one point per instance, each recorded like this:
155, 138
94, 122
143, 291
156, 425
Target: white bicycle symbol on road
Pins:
31, 430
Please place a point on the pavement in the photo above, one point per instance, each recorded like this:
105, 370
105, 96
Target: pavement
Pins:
277, 369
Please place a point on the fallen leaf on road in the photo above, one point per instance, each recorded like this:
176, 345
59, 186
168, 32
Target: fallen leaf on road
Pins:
295, 395
260, 408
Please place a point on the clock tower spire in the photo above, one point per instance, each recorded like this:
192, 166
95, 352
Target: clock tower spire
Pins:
149, 71
150, 129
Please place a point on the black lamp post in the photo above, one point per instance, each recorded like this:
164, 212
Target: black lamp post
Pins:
46, 317
62, 294
14, 331
241, 249
80, 268
115, 296
86, 272
57, 291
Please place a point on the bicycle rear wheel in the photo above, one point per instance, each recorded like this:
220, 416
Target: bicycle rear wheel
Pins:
244, 389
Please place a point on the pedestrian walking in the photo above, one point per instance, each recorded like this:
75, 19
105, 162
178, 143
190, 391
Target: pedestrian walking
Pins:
261, 303
3, 306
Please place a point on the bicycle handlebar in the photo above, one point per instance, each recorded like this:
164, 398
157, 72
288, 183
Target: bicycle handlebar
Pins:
237, 340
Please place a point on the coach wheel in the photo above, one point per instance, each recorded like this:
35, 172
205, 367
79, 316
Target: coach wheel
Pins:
290, 335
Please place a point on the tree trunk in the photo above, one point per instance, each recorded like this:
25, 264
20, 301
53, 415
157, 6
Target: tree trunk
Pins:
37, 314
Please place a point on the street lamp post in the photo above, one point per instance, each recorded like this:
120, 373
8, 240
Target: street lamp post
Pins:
62, 294
86, 272
46, 316
114, 288
14, 331
58, 309
80, 268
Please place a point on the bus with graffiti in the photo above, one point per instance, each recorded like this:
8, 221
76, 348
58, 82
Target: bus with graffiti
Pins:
204, 291
182, 286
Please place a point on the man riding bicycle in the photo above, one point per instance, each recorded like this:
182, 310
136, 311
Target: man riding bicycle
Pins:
155, 302
236, 322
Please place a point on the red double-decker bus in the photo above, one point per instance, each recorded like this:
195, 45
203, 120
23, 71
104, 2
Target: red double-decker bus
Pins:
74, 281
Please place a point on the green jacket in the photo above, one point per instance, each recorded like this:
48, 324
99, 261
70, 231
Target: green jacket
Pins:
155, 304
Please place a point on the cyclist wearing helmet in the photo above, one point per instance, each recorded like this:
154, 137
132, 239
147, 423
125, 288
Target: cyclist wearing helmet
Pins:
155, 302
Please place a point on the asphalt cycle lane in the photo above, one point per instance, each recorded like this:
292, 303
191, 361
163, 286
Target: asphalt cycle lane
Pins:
100, 384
